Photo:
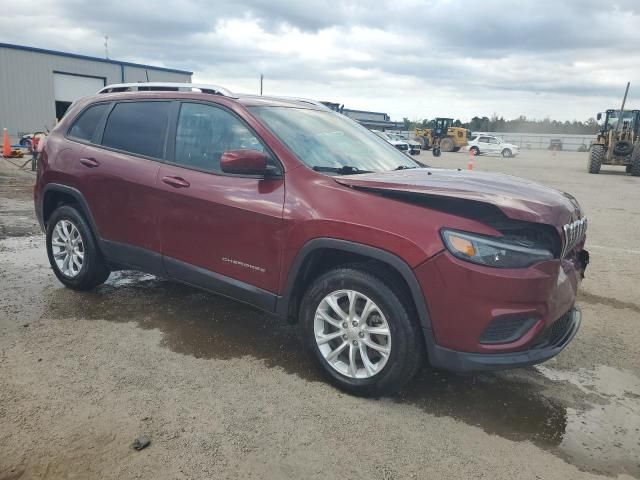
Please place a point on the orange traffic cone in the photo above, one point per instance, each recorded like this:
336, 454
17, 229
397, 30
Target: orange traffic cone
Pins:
6, 146
470, 164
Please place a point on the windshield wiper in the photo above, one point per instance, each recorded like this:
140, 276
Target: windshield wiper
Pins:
404, 167
344, 170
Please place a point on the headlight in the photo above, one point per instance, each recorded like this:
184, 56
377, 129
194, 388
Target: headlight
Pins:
494, 251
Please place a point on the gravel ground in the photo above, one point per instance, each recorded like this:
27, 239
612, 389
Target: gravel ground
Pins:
225, 391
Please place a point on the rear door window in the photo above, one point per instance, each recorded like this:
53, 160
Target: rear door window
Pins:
85, 126
138, 127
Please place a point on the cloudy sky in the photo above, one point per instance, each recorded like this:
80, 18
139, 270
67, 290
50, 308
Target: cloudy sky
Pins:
562, 59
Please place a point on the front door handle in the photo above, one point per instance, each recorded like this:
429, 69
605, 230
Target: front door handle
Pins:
177, 182
89, 162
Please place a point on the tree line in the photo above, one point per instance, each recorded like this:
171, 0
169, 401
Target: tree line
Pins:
521, 124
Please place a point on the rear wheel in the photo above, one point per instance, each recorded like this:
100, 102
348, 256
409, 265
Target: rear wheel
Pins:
447, 145
635, 161
506, 153
596, 157
72, 250
360, 332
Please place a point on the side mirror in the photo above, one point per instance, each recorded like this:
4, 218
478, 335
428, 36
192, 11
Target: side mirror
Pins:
244, 162
599, 116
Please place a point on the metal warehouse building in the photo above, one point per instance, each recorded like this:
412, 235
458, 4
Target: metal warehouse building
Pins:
37, 86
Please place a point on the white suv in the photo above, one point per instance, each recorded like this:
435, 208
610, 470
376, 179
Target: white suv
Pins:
485, 144
401, 145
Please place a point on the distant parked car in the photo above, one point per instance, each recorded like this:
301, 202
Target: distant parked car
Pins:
486, 144
414, 147
555, 144
401, 145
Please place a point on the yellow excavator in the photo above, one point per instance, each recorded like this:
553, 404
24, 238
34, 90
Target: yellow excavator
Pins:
443, 137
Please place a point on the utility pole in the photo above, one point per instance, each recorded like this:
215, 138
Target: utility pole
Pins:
106, 47
261, 79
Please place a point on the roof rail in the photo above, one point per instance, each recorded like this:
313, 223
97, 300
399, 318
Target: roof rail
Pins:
167, 86
307, 100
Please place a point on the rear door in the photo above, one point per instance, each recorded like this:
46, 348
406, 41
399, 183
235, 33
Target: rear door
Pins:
119, 180
219, 229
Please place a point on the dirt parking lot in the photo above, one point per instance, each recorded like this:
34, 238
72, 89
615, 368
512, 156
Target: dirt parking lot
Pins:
225, 391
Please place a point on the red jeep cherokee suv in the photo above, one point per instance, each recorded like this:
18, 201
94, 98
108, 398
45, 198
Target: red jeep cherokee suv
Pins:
297, 210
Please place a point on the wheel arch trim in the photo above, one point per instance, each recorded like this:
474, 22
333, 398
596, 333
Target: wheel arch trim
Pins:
77, 195
384, 256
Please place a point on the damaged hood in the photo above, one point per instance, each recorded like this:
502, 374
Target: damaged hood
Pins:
518, 198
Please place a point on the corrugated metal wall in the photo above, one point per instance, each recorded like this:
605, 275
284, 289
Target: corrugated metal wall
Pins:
27, 100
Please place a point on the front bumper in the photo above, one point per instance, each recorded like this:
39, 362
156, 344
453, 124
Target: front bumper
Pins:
465, 362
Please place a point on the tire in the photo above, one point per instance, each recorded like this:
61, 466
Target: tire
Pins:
635, 161
390, 312
506, 153
93, 270
622, 148
436, 151
447, 145
475, 150
425, 143
456, 149
26, 143
628, 168
596, 156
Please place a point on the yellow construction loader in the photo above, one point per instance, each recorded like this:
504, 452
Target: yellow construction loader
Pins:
444, 136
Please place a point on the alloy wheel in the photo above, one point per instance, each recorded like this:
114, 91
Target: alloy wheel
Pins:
352, 334
67, 248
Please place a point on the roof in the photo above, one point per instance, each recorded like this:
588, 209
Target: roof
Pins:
364, 111
92, 59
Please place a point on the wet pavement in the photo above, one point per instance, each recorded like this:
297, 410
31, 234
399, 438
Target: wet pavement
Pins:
600, 434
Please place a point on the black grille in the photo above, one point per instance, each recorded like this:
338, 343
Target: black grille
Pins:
557, 331
507, 329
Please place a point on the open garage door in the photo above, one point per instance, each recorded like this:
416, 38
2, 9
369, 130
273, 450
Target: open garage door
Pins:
68, 87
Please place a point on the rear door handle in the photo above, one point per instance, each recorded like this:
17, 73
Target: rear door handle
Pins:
177, 182
89, 162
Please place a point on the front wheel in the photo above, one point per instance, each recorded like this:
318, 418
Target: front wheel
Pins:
596, 157
72, 250
360, 332
506, 153
436, 151
475, 151
635, 161
447, 145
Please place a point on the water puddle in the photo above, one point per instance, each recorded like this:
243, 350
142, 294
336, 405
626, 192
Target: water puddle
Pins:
604, 438
193, 322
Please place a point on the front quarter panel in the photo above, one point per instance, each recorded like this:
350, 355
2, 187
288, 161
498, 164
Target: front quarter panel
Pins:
316, 206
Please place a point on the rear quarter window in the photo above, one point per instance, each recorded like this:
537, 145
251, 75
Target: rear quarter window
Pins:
138, 127
85, 125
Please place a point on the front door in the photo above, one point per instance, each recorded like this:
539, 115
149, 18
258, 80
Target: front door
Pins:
484, 145
218, 230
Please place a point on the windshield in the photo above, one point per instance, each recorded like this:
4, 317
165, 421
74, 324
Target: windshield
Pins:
627, 118
330, 141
